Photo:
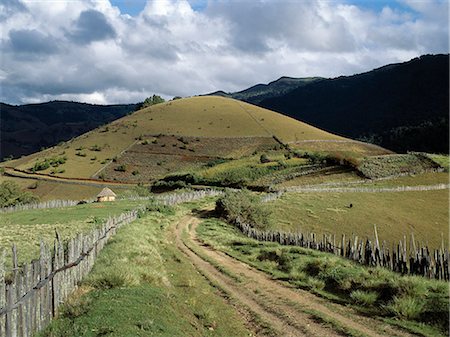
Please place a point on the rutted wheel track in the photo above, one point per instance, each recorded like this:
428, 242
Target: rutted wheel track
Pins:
286, 310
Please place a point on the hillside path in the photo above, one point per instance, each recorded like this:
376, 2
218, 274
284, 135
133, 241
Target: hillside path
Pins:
264, 302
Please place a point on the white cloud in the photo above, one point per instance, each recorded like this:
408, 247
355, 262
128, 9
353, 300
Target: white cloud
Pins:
89, 51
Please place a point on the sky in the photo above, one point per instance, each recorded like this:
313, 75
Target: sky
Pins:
122, 51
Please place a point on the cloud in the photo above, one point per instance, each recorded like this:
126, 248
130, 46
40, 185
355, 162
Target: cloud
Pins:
9, 8
90, 51
32, 42
91, 26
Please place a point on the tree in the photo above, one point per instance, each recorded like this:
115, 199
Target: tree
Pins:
11, 194
155, 99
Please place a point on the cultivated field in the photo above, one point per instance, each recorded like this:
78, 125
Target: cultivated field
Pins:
157, 156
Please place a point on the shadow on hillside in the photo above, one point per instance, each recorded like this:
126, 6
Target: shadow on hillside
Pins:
204, 213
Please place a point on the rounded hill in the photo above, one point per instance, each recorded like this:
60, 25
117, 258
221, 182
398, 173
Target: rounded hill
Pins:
219, 127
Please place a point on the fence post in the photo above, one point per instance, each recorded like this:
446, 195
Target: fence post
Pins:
2, 292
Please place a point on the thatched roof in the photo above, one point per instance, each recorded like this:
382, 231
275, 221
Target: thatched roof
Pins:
106, 192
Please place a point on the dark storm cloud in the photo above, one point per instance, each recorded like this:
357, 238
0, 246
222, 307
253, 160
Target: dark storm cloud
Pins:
91, 26
31, 42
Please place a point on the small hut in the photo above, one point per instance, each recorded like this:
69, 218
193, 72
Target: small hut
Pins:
106, 195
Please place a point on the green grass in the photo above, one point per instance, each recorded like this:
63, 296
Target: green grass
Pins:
27, 228
420, 305
141, 285
423, 213
441, 159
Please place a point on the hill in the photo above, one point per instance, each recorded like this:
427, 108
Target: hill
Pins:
399, 106
260, 92
26, 129
178, 137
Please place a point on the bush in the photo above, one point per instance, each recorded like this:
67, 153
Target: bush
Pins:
112, 280
315, 284
406, 307
11, 194
243, 205
283, 259
77, 304
141, 191
364, 297
155, 99
156, 206
95, 148
41, 166
120, 168
264, 159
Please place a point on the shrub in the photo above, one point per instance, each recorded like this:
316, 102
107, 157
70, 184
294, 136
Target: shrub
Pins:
11, 194
77, 304
155, 206
243, 205
406, 307
283, 259
95, 148
264, 159
120, 168
364, 297
141, 191
317, 157
315, 284
135, 172
112, 280
41, 166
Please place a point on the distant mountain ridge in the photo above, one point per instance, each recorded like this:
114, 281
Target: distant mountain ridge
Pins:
260, 92
402, 107
27, 128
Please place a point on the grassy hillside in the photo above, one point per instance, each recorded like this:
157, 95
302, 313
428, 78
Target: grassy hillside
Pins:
199, 117
395, 214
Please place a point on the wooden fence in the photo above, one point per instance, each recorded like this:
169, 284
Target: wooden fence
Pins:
405, 258
168, 198
41, 205
31, 294
176, 198
318, 188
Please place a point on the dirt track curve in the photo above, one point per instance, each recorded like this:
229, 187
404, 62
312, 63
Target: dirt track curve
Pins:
264, 302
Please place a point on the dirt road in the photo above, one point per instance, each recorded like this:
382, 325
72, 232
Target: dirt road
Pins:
272, 308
